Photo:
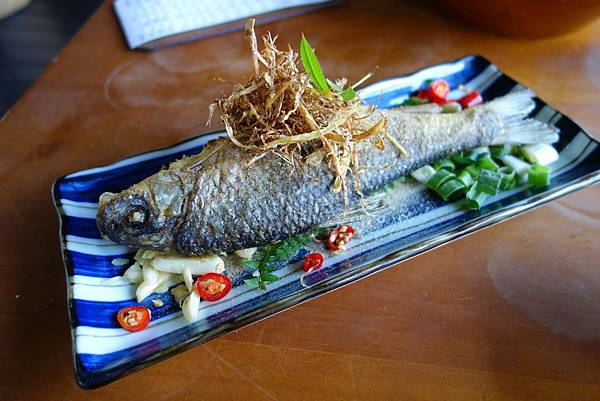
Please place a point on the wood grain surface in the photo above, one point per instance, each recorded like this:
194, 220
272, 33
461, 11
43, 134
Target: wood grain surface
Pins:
509, 313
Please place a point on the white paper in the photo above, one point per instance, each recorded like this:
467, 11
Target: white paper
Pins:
146, 20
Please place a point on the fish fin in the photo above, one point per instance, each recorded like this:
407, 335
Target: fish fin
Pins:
528, 131
513, 108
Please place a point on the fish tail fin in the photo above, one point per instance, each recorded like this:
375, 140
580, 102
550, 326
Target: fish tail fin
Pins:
513, 108
528, 131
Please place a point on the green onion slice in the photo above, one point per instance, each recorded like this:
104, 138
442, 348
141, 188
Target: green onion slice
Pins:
475, 198
486, 163
478, 153
508, 176
423, 174
466, 178
538, 176
451, 188
440, 177
499, 151
488, 182
446, 164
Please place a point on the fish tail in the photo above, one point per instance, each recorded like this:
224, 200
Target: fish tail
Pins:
513, 109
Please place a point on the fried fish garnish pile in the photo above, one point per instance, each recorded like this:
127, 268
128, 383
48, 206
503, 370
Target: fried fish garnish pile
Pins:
280, 110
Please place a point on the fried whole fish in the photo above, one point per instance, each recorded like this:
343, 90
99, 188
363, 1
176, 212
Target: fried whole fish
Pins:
219, 201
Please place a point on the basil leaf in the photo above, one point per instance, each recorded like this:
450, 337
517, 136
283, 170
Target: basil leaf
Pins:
312, 66
251, 263
334, 86
268, 277
348, 94
252, 281
269, 268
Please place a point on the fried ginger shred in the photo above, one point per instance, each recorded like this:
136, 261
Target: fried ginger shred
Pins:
279, 110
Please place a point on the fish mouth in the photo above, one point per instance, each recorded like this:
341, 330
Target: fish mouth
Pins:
105, 198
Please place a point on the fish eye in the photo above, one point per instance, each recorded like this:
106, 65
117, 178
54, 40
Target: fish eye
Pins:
136, 216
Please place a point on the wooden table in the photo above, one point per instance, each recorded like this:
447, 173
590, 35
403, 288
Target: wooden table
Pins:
509, 313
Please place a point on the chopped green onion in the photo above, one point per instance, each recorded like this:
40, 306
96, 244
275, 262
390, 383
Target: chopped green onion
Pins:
486, 163
508, 178
471, 156
423, 174
488, 182
541, 153
499, 151
475, 197
466, 178
516, 164
484, 171
444, 164
450, 188
538, 176
473, 171
478, 153
440, 177
460, 158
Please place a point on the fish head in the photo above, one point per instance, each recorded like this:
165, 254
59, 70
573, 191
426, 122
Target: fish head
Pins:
143, 215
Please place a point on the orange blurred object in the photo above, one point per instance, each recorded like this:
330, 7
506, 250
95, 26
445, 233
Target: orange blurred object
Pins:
525, 18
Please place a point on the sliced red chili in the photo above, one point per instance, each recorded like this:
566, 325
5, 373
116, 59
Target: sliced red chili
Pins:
470, 100
338, 238
312, 261
438, 90
212, 286
134, 318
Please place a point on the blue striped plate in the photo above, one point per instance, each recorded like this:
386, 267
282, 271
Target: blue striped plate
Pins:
414, 222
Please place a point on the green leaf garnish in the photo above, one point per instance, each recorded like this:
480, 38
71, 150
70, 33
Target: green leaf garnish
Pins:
312, 66
265, 259
252, 281
268, 277
334, 86
348, 94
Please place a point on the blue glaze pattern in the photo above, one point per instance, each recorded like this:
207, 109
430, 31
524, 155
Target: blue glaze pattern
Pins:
102, 351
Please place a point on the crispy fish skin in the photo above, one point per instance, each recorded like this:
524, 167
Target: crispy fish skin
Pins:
220, 201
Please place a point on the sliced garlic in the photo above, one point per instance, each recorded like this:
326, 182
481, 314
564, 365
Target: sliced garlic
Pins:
153, 281
187, 279
119, 262
246, 253
198, 265
133, 274
190, 307
179, 293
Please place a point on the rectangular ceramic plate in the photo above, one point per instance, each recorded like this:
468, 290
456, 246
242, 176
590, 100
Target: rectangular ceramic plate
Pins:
414, 221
